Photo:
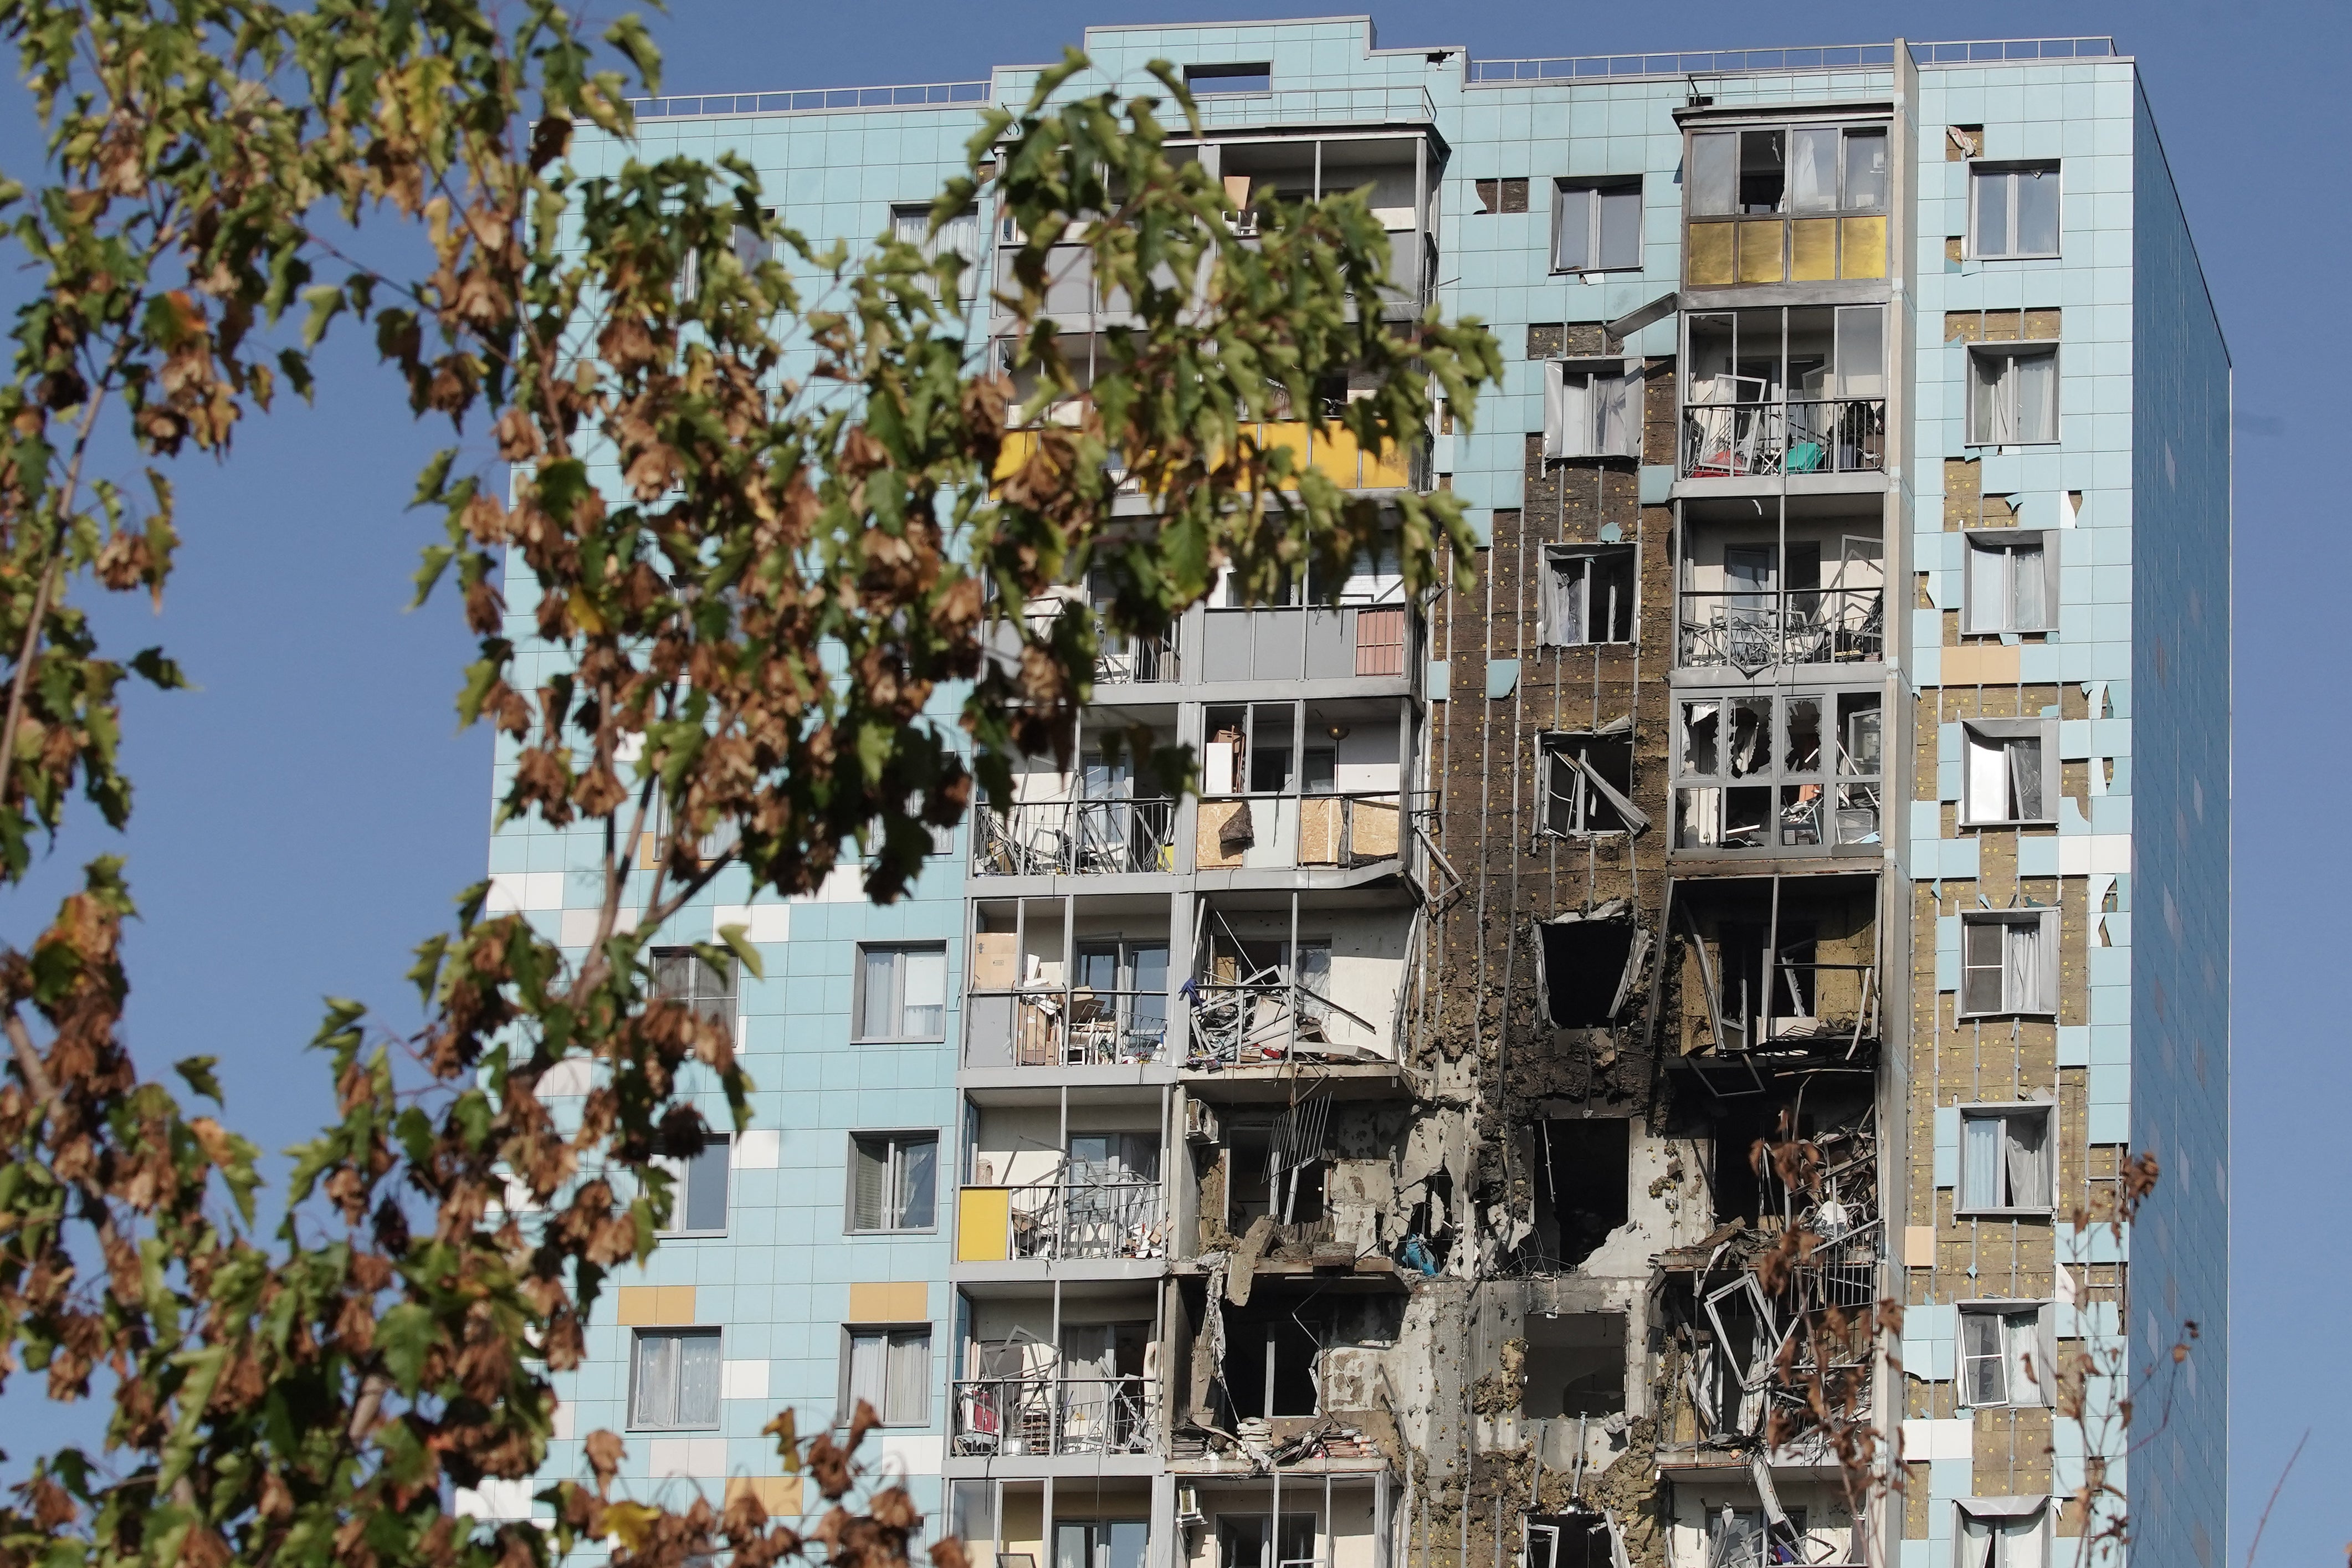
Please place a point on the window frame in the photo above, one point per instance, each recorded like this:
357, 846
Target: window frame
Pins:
2045, 730
896, 1138
2055, 167
682, 1187
2043, 1006
861, 1026
930, 244
1562, 410
1831, 775
700, 968
2010, 352
851, 1333
2036, 1509
1589, 190
2008, 540
1200, 76
2006, 1110
637, 1338
1554, 556
2045, 1351
1586, 797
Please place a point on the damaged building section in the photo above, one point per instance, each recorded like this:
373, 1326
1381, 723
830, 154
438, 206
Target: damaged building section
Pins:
1595, 1075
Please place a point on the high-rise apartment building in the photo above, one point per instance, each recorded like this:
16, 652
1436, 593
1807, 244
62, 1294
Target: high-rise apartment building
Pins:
1357, 1167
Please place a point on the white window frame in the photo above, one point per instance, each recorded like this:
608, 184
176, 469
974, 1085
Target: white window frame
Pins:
896, 1141
2043, 1003
2021, 1329
1587, 793
2009, 353
682, 1186
892, 1029
1987, 745
1577, 423
890, 1335
1978, 170
2006, 1112
1558, 584
637, 1342
911, 222
2004, 1514
710, 991
1589, 194
1980, 619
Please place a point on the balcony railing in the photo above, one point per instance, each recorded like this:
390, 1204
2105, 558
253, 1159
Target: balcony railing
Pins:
1287, 832
1753, 629
1074, 838
1066, 1027
1122, 1218
1012, 1416
1815, 435
1121, 660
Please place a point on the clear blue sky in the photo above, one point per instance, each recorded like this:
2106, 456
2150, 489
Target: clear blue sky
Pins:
305, 817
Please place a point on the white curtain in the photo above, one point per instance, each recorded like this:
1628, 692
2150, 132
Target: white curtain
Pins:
1987, 780
925, 1010
2028, 1371
2029, 610
2024, 755
1978, 1542
1989, 602
2028, 1153
1616, 423
1813, 170
656, 1391
697, 1380
866, 1356
1995, 395
2035, 397
1568, 411
907, 1379
1563, 597
1981, 1163
2022, 955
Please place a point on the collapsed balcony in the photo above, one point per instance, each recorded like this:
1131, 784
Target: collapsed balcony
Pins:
1775, 972
1292, 977
1099, 818
1036, 1387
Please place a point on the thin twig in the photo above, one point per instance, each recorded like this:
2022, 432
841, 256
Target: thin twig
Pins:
2255, 1544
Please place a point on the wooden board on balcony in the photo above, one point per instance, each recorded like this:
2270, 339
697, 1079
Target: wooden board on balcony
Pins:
1212, 851
1319, 819
1372, 832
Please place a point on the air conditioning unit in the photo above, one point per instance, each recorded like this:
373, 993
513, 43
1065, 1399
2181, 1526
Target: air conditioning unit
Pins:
1200, 1121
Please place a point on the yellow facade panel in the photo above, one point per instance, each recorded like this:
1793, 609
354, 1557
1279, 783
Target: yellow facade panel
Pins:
1813, 249
1707, 254
1763, 251
1865, 246
984, 1224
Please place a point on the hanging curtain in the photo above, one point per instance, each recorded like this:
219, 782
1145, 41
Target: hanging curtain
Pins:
1616, 429
1978, 1542
1996, 399
918, 1184
2021, 950
2031, 609
2028, 1156
866, 1371
2028, 1372
657, 1401
1813, 170
1568, 411
908, 1379
1980, 1163
2034, 397
1981, 1354
2024, 755
1988, 588
697, 1380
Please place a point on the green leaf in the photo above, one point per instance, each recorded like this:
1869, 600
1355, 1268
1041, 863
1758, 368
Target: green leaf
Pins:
162, 673
196, 1072
434, 478
737, 938
404, 1337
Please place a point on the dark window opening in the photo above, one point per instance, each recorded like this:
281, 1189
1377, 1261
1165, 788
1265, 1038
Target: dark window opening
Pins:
1256, 1187
1241, 1542
1741, 1132
1742, 994
1584, 1196
1586, 968
1568, 1540
1255, 76
1277, 1350
1763, 169
1575, 1365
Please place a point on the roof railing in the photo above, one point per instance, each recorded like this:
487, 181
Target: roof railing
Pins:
813, 100
1809, 58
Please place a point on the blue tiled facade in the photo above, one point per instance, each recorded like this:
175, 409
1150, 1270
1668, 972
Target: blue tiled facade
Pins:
2131, 501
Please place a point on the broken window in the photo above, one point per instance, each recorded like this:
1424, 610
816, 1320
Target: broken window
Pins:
2009, 961
1592, 408
1248, 76
1575, 1539
1991, 1536
2013, 211
2007, 1355
1581, 1194
1241, 1542
2008, 587
1273, 1350
1797, 390
2011, 772
2012, 394
1587, 964
1744, 1538
1786, 203
2006, 1153
1596, 226
1753, 772
1500, 195
1587, 593
1588, 780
